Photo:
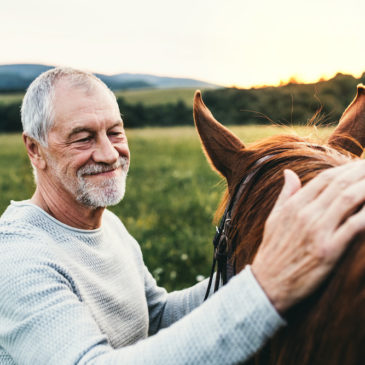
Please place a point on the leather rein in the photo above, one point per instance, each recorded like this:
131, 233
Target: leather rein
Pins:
223, 248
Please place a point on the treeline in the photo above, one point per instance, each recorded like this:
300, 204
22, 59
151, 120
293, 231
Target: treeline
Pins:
162, 115
134, 115
321, 103
289, 104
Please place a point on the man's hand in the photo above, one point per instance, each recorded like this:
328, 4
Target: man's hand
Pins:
308, 230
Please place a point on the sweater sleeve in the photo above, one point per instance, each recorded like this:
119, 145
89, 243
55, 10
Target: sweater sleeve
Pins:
43, 321
167, 308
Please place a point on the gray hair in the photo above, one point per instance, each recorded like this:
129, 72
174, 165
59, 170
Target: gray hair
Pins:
37, 111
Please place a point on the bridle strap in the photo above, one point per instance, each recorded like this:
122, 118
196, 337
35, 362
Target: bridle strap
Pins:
221, 258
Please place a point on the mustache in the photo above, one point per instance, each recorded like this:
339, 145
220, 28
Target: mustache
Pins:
103, 167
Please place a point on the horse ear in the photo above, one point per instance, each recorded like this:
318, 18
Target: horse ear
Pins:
219, 144
349, 135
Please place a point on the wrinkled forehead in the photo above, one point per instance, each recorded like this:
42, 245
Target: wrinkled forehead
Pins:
73, 90
84, 85
79, 103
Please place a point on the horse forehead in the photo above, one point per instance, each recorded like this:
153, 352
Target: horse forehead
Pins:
293, 146
293, 150
330, 152
317, 146
275, 151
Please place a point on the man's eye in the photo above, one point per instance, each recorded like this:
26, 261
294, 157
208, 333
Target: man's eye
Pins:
84, 140
116, 134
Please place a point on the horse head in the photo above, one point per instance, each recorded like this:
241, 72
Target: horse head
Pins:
317, 326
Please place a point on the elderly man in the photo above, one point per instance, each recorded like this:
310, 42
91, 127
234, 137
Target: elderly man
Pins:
74, 288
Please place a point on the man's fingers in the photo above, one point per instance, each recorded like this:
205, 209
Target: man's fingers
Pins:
325, 187
346, 232
291, 185
343, 204
341, 181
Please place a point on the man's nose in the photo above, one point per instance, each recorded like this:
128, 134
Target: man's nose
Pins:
105, 151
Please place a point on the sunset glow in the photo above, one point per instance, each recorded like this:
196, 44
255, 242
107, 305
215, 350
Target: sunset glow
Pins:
229, 43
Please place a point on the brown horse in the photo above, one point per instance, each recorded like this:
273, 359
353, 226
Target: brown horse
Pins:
329, 326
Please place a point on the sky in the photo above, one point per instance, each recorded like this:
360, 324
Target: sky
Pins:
229, 42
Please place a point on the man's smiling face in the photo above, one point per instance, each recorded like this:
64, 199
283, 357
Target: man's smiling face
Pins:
87, 155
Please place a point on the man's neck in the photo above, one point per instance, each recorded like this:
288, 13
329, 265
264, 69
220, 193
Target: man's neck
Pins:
65, 209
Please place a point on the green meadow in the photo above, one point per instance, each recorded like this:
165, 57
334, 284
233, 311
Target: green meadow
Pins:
171, 196
146, 96
157, 96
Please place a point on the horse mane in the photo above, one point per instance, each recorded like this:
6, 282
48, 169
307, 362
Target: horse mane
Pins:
335, 311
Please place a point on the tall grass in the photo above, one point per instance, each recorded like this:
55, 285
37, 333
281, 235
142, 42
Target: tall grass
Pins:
171, 196
146, 96
157, 96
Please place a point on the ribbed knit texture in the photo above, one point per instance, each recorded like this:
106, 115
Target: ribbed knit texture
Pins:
71, 296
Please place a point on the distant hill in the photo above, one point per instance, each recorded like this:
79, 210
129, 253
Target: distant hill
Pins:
17, 77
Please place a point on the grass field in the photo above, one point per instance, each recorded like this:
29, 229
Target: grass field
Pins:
170, 201
157, 96
11, 98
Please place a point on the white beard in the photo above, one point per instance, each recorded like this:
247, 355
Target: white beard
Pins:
109, 192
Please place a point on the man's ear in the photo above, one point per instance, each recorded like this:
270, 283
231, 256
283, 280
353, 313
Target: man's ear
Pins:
35, 152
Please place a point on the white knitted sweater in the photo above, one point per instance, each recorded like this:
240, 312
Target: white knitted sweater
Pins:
71, 296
